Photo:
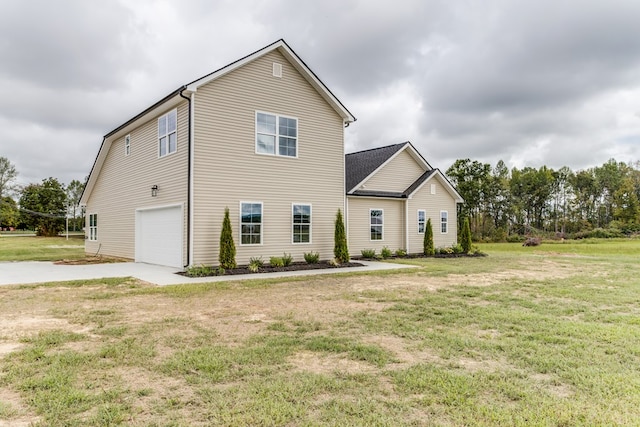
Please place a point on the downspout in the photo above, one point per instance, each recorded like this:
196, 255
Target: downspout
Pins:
406, 224
188, 180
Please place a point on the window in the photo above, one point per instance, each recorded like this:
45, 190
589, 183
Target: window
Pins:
167, 133
251, 223
93, 227
421, 221
301, 224
276, 135
443, 221
377, 223
127, 145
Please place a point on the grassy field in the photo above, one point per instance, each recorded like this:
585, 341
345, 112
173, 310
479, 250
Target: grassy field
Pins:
19, 248
526, 336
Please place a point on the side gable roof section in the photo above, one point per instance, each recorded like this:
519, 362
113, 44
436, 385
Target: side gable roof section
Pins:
177, 96
362, 165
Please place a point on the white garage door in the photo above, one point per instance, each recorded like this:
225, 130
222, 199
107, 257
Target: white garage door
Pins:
159, 236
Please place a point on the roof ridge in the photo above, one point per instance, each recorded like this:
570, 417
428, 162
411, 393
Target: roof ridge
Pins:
378, 148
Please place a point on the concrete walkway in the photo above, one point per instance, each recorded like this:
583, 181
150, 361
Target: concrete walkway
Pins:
13, 273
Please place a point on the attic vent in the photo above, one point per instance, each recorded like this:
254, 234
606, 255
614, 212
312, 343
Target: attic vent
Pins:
277, 70
433, 189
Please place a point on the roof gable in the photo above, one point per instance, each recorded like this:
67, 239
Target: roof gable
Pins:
362, 165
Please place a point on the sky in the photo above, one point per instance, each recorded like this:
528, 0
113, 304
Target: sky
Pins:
529, 82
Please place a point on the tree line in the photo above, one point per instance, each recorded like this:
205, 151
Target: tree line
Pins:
502, 204
43, 207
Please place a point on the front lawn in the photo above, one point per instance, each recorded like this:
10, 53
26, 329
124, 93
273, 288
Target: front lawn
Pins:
526, 337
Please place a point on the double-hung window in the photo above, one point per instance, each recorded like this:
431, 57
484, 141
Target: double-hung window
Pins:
301, 223
276, 135
444, 216
251, 223
93, 227
167, 133
422, 219
376, 219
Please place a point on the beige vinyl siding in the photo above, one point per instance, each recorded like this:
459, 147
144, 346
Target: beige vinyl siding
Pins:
228, 171
397, 175
125, 182
359, 236
432, 204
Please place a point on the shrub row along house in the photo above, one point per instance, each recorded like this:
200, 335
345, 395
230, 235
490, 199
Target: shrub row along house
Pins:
264, 137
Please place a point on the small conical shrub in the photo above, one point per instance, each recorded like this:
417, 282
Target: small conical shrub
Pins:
227, 255
427, 244
340, 249
465, 237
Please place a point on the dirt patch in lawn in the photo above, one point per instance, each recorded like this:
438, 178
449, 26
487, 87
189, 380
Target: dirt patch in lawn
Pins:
91, 260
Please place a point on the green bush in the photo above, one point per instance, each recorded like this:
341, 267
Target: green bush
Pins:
287, 259
401, 252
276, 261
199, 271
255, 264
227, 255
368, 253
465, 238
340, 248
457, 249
312, 257
386, 252
427, 244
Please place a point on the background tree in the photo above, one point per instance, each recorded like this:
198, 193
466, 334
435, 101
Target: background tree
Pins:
74, 192
428, 247
9, 213
227, 254
340, 248
43, 207
8, 176
473, 181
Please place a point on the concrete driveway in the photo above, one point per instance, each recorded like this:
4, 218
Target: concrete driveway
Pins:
13, 273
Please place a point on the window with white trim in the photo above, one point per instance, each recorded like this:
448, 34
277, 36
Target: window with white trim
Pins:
376, 219
276, 135
168, 133
422, 220
251, 223
301, 223
444, 217
127, 145
93, 227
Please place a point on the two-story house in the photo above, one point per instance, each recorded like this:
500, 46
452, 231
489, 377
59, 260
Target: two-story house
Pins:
262, 136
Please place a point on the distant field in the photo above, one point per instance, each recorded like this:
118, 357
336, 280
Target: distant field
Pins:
18, 248
544, 336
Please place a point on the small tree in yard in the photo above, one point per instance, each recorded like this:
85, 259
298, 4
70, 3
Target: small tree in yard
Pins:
227, 255
340, 249
427, 244
465, 238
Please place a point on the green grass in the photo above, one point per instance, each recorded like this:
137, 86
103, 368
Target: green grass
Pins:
550, 339
40, 248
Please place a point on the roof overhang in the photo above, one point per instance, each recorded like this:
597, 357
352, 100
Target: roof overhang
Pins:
439, 176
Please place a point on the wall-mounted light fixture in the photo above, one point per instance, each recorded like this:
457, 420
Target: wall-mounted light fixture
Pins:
154, 191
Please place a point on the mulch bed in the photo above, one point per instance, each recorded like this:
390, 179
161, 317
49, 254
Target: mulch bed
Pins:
294, 266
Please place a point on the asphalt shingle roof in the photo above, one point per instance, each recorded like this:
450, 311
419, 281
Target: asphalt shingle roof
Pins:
361, 164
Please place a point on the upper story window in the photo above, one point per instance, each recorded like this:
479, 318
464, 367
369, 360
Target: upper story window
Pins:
276, 135
421, 220
444, 217
301, 224
127, 145
93, 227
376, 219
167, 133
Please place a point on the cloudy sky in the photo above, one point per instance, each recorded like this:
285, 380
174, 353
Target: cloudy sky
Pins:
531, 82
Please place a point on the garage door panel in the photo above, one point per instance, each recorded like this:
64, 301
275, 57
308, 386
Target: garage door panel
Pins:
159, 236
